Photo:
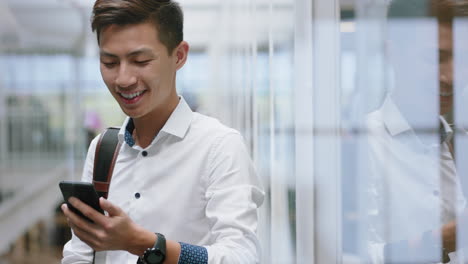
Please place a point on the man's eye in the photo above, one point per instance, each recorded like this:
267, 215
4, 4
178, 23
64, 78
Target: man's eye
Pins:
109, 64
444, 58
142, 61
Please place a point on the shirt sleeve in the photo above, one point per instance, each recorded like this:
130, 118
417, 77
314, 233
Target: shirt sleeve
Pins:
234, 194
76, 251
191, 254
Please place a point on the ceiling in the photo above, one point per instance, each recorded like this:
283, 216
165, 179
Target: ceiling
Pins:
31, 26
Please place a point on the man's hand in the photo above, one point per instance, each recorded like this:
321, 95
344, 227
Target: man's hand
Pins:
449, 236
115, 231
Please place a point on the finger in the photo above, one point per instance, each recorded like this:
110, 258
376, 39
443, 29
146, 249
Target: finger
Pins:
76, 220
87, 210
89, 238
67, 212
83, 229
110, 208
64, 207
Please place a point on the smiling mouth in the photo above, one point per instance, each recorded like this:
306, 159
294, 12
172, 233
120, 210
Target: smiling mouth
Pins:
446, 93
445, 89
131, 96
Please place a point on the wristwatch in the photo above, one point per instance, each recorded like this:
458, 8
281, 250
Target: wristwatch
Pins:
157, 253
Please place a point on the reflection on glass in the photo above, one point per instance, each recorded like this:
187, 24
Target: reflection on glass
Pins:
413, 188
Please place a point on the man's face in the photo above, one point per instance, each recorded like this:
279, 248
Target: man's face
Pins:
445, 68
137, 69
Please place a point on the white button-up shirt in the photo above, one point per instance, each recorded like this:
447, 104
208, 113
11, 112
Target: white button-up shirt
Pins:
196, 185
413, 186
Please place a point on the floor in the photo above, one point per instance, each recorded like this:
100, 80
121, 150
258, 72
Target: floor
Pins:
39, 245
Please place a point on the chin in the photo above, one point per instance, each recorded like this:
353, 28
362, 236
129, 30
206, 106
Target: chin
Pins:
133, 115
130, 113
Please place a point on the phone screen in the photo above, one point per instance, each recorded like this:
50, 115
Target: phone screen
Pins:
82, 190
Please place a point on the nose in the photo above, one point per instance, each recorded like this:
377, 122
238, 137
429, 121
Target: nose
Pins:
443, 77
125, 77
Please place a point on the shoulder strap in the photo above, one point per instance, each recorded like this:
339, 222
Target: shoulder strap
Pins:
107, 150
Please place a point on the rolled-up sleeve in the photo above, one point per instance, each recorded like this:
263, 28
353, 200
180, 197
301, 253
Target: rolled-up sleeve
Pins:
234, 194
76, 251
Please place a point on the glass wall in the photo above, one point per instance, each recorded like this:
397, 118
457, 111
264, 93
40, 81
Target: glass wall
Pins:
402, 89
353, 112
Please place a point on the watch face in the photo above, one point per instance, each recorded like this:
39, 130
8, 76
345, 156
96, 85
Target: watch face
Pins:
155, 257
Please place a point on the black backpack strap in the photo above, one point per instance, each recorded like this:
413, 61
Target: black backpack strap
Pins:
107, 150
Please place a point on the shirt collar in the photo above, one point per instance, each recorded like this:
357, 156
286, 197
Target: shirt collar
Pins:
393, 119
177, 124
179, 121
447, 131
125, 132
397, 124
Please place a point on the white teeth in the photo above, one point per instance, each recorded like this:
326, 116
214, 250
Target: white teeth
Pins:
132, 95
446, 94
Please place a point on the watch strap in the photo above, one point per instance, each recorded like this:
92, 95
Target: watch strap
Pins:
159, 245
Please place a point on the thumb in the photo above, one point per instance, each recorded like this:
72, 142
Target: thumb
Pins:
109, 207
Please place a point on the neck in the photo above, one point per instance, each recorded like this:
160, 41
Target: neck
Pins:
148, 126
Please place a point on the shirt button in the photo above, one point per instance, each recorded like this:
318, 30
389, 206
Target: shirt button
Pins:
144, 153
436, 193
137, 195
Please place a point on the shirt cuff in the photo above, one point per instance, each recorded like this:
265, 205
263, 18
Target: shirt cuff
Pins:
190, 254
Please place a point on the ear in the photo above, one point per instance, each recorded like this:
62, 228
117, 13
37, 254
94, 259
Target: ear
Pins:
180, 54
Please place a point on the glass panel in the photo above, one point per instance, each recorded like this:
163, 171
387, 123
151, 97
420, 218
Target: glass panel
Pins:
250, 87
403, 113
53, 101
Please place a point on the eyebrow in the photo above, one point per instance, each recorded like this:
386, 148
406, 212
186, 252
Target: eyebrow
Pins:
130, 54
446, 51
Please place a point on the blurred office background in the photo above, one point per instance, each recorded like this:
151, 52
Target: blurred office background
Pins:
296, 77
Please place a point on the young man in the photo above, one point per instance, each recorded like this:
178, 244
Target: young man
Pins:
179, 176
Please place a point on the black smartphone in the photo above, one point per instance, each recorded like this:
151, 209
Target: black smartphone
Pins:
82, 190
